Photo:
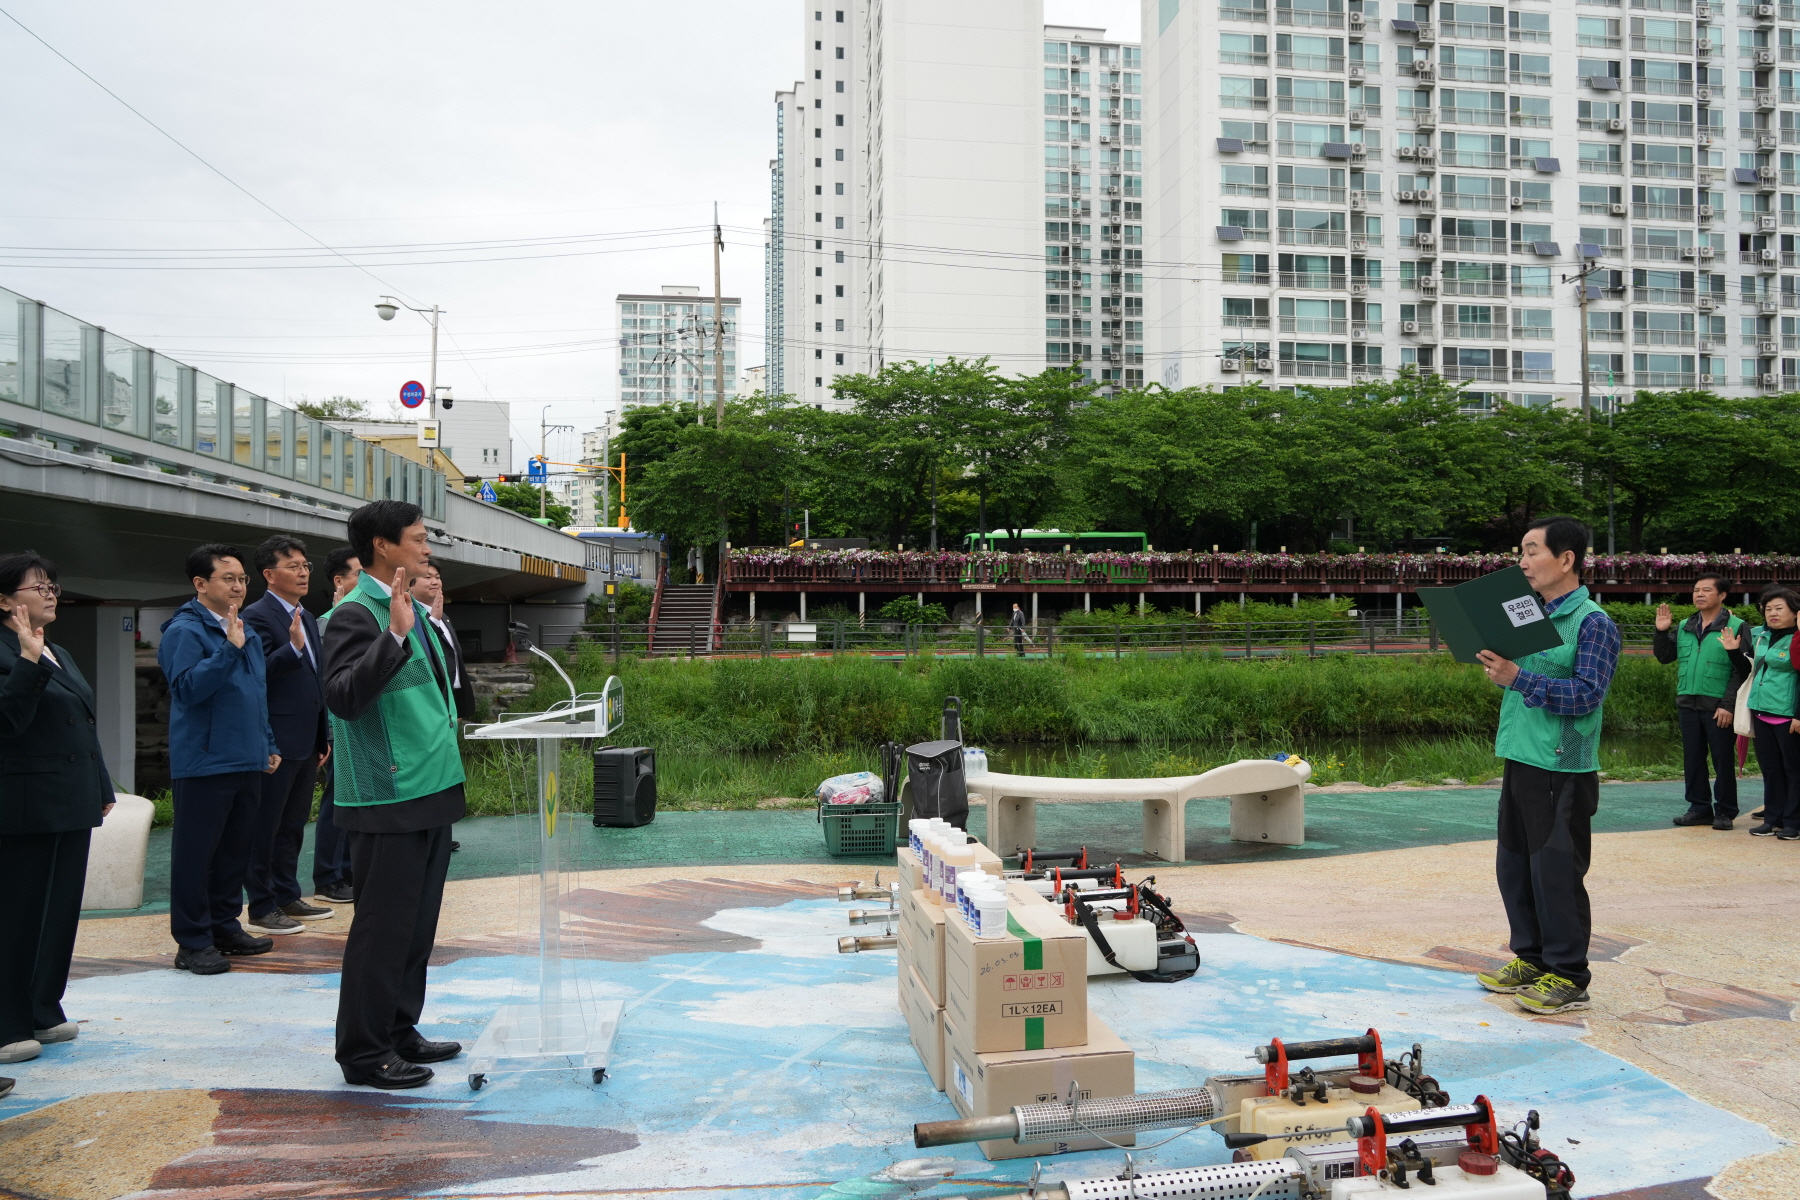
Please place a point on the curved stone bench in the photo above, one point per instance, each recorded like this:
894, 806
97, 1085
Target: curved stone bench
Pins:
115, 870
1267, 804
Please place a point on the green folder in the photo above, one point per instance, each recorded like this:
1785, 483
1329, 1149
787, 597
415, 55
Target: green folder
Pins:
1497, 612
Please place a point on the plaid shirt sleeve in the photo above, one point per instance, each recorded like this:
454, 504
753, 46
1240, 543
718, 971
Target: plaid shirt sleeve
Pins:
1597, 647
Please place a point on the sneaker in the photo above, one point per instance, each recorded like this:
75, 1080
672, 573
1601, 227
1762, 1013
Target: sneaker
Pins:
335, 893
1788, 835
1551, 994
205, 961
300, 910
275, 922
1757, 815
21, 1051
65, 1032
241, 943
1515, 976
1763, 830
1723, 823
1695, 816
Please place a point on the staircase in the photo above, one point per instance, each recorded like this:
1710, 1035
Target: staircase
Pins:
501, 684
684, 618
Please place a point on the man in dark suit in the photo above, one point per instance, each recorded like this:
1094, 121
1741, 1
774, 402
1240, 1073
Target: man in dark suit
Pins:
294, 658
428, 589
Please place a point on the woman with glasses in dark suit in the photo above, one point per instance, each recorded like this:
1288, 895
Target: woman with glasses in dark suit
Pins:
54, 790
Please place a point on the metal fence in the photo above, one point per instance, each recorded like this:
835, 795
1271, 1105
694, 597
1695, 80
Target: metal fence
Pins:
1412, 634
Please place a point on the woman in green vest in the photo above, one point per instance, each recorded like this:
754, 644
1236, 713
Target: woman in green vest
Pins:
1774, 705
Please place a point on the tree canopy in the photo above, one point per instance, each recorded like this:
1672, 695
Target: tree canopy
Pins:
1395, 464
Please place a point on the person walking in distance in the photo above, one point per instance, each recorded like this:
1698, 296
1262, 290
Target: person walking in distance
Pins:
1016, 624
56, 791
1703, 700
1549, 739
294, 661
220, 747
331, 856
1774, 705
399, 789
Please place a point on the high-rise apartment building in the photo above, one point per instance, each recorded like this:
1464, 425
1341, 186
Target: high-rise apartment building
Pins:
666, 347
908, 190
1339, 188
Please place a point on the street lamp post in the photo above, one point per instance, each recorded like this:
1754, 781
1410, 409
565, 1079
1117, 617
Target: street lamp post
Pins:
386, 307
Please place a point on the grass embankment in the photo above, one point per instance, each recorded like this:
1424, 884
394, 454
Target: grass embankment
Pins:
733, 733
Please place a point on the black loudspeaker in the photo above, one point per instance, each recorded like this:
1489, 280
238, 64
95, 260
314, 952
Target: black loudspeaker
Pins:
624, 786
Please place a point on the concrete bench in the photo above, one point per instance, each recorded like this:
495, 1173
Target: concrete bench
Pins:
115, 870
1267, 804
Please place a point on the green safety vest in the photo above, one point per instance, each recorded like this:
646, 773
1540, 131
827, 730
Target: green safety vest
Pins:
404, 747
1772, 676
1702, 666
1535, 737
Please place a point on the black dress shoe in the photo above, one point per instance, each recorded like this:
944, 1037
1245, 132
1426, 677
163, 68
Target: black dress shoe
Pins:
335, 893
241, 943
393, 1076
455, 846
1695, 816
1722, 823
422, 1051
204, 961
6, 1087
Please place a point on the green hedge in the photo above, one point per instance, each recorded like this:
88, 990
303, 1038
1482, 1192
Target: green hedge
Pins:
833, 704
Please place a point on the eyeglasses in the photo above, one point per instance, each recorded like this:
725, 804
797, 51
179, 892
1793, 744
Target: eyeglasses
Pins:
49, 591
300, 565
230, 580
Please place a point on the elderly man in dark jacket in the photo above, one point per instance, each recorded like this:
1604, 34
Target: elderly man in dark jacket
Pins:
220, 747
54, 790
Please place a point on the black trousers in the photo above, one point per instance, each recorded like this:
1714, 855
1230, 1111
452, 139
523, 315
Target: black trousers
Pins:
41, 878
1701, 740
280, 829
1540, 863
399, 887
1778, 751
209, 852
331, 847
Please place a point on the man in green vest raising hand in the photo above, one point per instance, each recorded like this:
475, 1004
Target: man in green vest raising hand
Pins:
399, 787
1549, 738
1703, 700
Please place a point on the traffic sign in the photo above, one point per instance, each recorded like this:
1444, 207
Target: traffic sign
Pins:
431, 435
487, 492
412, 393
537, 469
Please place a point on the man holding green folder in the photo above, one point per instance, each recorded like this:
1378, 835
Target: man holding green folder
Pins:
1549, 738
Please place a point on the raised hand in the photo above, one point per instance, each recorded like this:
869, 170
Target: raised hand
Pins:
1664, 618
297, 633
31, 641
400, 606
343, 588
1730, 638
234, 628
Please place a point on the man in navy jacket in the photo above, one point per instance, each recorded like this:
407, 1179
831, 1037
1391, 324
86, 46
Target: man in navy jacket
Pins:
220, 747
294, 661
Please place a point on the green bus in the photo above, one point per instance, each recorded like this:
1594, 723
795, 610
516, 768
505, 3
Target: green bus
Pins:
1055, 541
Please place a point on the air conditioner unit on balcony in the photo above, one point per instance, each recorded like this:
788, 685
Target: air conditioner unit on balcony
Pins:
1357, 20
1707, 380
1703, 180
1265, 364
1409, 327
1405, 195
1766, 141
1703, 48
1359, 289
1703, 12
1425, 198
1706, 251
1708, 347
1706, 304
1356, 116
1113, 190
1618, 210
1703, 95
1768, 308
1765, 224
1359, 245
1767, 347
1765, 100
1115, 237
1768, 173
1517, 202
1765, 12
1706, 212
1703, 141
1425, 119
1358, 204
1770, 379
1407, 152
1769, 259
1358, 74
1231, 362
1425, 34
1075, 241
1105, 138
1427, 154
1359, 334
1425, 71
1358, 150
1114, 89
1689, 251
1428, 283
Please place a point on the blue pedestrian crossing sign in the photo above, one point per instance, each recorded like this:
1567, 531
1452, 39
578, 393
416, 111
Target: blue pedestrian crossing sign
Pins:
487, 492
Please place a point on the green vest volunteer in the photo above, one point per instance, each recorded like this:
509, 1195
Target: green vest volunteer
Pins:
1534, 735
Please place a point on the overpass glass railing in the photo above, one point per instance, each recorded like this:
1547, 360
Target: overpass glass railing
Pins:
84, 388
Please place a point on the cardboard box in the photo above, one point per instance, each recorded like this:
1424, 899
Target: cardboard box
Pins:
922, 933
912, 871
1024, 990
987, 1085
925, 1024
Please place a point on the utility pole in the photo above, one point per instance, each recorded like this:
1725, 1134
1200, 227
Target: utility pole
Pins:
545, 429
431, 452
718, 325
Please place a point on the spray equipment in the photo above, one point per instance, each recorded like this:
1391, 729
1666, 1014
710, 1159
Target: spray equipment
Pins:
1218, 1102
856, 945
1031, 859
888, 918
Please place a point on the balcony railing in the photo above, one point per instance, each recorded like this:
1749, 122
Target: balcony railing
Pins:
1600, 166
1304, 369
1257, 278
1533, 375
1232, 321
1605, 335
1473, 201
1472, 116
1531, 333
1662, 87
1483, 332
1532, 78
1472, 287
1311, 62
1258, 190
1672, 129
1663, 379
1468, 74
1497, 374
1644, 253
1472, 29
1662, 295
1289, 148
1312, 281
1492, 160
1640, 169
1663, 212
1331, 325
1663, 45
1311, 195
1244, 12
1243, 58
1308, 18
1531, 120
1314, 237
1475, 245
1306, 104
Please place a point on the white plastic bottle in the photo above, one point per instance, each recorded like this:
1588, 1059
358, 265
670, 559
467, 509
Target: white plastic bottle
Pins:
929, 852
959, 856
990, 909
968, 881
912, 836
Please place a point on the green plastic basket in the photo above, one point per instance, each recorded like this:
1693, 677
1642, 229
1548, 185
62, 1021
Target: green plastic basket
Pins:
860, 829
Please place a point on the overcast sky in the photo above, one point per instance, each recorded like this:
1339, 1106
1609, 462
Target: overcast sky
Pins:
518, 164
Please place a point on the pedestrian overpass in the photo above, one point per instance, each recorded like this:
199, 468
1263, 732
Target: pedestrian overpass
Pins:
116, 460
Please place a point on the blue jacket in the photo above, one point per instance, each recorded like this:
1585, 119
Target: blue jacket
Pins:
218, 699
